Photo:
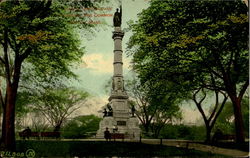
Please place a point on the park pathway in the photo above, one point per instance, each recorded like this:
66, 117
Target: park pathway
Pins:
198, 146
184, 144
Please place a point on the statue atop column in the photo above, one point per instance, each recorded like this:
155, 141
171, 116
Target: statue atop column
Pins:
117, 19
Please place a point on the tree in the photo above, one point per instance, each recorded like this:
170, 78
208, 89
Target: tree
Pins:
58, 104
226, 118
153, 109
38, 122
187, 42
215, 110
31, 32
164, 116
141, 102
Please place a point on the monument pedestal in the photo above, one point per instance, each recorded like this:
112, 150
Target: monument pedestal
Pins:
121, 120
107, 122
133, 128
129, 127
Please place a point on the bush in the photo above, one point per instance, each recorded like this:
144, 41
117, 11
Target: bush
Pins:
183, 132
81, 127
169, 132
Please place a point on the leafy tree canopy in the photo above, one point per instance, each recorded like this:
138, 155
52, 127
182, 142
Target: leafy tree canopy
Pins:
177, 41
38, 37
192, 45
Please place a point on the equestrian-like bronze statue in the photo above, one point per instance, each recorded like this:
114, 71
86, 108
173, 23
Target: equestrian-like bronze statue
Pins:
117, 19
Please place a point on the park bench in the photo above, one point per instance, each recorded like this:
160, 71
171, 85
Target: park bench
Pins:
115, 136
227, 137
27, 135
223, 137
50, 135
38, 134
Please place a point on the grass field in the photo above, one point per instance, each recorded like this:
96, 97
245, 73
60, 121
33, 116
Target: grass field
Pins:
105, 149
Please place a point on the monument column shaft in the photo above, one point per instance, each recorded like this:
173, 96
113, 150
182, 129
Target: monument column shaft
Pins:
118, 64
118, 90
118, 71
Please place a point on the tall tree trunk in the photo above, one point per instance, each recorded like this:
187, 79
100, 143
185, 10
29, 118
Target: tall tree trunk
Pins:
157, 132
9, 120
239, 126
8, 133
58, 127
3, 126
146, 126
208, 133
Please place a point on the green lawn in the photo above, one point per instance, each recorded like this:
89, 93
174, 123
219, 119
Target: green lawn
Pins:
100, 149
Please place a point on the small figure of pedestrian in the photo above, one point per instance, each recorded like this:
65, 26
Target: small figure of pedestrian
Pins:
107, 134
27, 133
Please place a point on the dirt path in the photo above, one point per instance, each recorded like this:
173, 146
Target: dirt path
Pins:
198, 146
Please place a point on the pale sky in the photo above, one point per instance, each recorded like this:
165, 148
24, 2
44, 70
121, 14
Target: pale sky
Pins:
97, 66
